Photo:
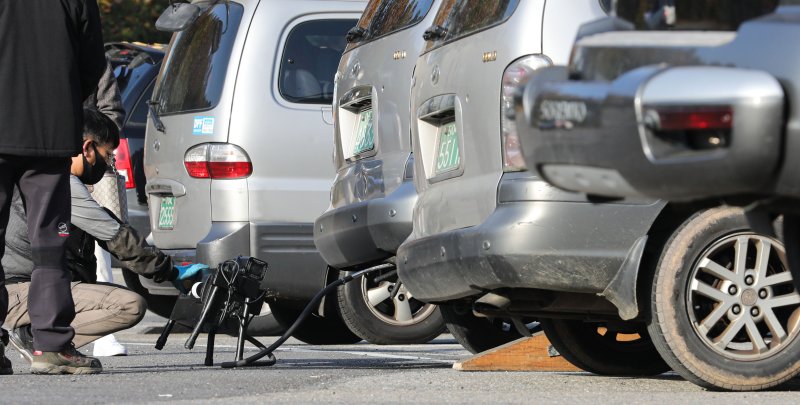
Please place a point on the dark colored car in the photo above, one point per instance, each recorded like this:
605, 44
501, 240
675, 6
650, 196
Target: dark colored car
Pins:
136, 66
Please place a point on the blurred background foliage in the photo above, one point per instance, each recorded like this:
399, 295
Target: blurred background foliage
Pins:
132, 20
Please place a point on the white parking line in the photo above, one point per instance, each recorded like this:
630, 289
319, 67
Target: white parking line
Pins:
354, 353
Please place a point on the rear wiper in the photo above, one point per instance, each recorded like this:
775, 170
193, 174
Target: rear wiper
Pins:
151, 106
434, 32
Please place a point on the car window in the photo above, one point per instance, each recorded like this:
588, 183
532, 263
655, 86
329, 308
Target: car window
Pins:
391, 16
138, 115
369, 11
194, 71
707, 15
460, 18
310, 58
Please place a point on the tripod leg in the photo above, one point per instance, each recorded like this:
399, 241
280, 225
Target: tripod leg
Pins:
162, 340
207, 308
210, 347
243, 321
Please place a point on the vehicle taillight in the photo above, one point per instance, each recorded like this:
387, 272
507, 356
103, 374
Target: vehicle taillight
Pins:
122, 161
698, 128
689, 119
516, 75
217, 161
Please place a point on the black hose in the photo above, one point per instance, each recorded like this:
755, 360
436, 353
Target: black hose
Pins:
303, 315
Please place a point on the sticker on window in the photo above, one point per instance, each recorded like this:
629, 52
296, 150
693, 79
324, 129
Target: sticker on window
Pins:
203, 126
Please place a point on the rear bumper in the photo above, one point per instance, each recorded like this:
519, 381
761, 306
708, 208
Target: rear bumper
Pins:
600, 137
558, 246
296, 270
366, 231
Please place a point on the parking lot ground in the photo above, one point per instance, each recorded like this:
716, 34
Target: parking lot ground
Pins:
359, 373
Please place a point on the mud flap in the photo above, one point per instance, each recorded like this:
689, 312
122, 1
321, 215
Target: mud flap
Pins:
621, 291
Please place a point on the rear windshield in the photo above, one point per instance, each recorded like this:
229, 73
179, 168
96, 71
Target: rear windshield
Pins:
707, 15
310, 57
194, 71
460, 18
383, 17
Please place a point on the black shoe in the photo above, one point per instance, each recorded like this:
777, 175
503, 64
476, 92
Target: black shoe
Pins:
67, 361
5, 363
22, 340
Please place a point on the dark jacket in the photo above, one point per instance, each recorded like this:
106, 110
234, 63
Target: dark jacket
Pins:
51, 58
89, 223
107, 98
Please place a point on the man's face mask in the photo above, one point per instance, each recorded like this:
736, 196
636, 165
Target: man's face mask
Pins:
93, 174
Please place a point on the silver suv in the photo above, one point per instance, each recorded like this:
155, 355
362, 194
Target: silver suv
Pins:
696, 114
491, 237
238, 144
372, 196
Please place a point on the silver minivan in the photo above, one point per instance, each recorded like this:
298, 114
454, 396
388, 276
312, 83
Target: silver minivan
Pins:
490, 237
372, 196
238, 145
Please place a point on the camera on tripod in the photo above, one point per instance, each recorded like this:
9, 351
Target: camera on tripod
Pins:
233, 291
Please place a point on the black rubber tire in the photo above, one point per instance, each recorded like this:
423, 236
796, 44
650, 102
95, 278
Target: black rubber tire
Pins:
315, 330
160, 305
581, 344
670, 326
359, 318
476, 334
265, 325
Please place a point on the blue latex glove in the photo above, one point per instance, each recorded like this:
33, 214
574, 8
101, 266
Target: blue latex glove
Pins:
189, 274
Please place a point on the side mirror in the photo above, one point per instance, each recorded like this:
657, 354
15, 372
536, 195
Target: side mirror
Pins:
177, 17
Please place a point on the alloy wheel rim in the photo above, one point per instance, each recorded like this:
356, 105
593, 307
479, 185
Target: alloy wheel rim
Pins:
401, 310
741, 299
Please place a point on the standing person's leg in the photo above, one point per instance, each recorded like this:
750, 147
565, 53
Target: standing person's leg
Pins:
106, 345
44, 187
6, 191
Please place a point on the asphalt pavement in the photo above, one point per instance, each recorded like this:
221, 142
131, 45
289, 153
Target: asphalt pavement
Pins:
352, 374
359, 373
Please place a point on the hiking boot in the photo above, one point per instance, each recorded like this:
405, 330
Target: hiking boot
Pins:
5, 363
67, 361
22, 340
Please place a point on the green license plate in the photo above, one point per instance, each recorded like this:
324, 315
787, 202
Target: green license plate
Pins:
448, 157
166, 215
365, 134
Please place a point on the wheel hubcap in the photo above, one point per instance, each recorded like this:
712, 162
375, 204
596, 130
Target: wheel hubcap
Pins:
741, 299
398, 308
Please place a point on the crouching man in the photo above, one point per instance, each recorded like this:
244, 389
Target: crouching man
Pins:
100, 308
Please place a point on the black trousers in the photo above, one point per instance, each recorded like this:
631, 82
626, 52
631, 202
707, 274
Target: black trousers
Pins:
44, 186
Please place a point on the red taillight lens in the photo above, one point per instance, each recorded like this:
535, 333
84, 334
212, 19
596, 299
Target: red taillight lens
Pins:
122, 159
691, 119
217, 161
198, 170
230, 170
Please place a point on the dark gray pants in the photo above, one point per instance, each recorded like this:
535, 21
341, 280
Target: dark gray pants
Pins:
44, 186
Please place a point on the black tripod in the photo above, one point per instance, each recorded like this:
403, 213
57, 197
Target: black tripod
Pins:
232, 292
